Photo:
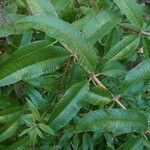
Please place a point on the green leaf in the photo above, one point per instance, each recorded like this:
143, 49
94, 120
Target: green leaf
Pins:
7, 102
139, 73
34, 110
96, 99
113, 69
113, 38
39, 133
146, 47
19, 144
98, 96
10, 30
133, 144
33, 136
10, 114
98, 89
122, 49
23, 50
24, 132
133, 88
147, 143
101, 25
132, 11
65, 33
46, 82
110, 140
85, 141
39, 7
28, 63
68, 106
117, 121
26, 38
36, 98
60, 5
8, 132
46, 128
80, 23
26, 119
10, 27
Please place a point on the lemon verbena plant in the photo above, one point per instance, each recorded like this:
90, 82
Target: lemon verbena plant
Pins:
74, 74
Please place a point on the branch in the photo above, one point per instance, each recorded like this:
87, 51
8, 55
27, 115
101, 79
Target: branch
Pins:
134, 30
97, 81
67, 48
74, 55
116, 99
145, 33
93, 77
64, 74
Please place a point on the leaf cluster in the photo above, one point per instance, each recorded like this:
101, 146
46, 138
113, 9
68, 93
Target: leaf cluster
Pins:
74, 74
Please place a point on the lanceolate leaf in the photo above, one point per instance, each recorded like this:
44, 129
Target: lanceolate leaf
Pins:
133, 88
60, 4
68, 106
95, 99
132, 10
37, 45
34, 110
8, 132
46, 82
133, 144
8, 115
10, 30
80, 23
113, 120
26, 38
146, 48
19, 144
113, 69
39, 7
100, 25
33, 63
36, 98
66, 33
7, 102
46, 128
10, 27
113, 38
139, 73
98, 96
33, 136
122, 49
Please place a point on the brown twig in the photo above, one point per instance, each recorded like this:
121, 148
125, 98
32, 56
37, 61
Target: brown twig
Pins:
64, 74
98, 82
73, 54
60, 85
116, 99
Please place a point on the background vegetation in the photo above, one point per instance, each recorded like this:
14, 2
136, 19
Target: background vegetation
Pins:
74, 74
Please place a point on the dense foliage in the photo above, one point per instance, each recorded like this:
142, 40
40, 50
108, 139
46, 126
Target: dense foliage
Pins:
74, 74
